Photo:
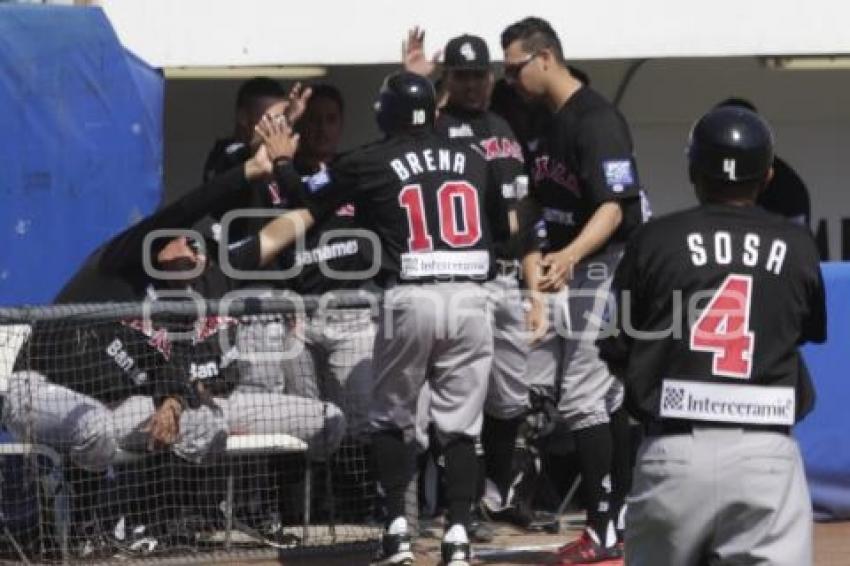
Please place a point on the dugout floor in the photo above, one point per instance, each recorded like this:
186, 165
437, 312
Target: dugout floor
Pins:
832, 548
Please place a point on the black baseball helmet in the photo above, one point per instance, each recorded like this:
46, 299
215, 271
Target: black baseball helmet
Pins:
405, 101
731, 144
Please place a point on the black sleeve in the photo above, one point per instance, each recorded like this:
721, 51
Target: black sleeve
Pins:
606, 158
245, 254
124, 251
154, 352
496, 209
347, 180
224, 156
814, 323
505, 153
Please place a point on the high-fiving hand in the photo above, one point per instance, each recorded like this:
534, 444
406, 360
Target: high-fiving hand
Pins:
413, 54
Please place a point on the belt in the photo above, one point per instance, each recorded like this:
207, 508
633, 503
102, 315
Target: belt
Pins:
668, 427
393, 281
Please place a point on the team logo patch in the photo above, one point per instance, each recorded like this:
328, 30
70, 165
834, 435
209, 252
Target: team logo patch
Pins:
462, 131
674, 399
318, 181
618, 174
467, 51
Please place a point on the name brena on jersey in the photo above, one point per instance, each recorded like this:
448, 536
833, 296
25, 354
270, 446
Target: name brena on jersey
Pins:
431, 160
723, 248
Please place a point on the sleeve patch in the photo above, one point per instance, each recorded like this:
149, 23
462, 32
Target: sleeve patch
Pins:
618, 174
318, 181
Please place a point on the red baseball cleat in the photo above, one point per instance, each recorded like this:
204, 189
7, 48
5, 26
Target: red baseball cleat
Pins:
585, 550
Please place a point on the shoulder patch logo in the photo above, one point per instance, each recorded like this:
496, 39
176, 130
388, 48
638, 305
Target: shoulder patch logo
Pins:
618, 174
318, 181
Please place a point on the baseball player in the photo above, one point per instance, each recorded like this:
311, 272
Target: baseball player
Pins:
468, 80
719, 479
434, 207
119, 274
338, 258
584, 178
256, 98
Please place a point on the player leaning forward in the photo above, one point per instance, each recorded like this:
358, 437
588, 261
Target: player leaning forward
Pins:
435, 208
719, 479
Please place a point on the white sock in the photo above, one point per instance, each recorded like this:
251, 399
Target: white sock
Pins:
456, 534
621, 518
398, 526
610, 535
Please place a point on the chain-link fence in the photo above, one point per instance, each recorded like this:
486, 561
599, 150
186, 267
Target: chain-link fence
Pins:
177, 429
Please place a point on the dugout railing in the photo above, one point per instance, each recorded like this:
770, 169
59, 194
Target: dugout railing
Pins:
273, 459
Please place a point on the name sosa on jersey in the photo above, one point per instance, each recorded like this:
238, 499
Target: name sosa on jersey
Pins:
722, 248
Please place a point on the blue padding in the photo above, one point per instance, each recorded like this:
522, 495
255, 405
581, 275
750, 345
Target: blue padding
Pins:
80, 144
825, 434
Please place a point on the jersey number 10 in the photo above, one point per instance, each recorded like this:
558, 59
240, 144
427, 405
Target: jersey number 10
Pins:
452, 197
723, 328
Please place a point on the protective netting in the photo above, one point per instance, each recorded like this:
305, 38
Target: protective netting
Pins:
264, 408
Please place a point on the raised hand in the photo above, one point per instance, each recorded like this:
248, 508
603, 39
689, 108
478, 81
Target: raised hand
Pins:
277, 136
413, 54
297, 102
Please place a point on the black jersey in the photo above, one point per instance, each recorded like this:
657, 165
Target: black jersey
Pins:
583, 158
336, 254
116, 271
108, 361
207, 353
431, 201
500, 147
714, 303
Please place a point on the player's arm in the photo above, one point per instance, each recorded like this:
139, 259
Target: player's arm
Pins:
516, 230
413, 54
609, 177
529, 239
598, 230
125, 250
322, 193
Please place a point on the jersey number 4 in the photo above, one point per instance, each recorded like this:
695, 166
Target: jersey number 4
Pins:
460, 223
723, 328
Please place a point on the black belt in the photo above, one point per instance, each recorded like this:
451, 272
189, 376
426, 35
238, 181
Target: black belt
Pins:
393, 281
667, 427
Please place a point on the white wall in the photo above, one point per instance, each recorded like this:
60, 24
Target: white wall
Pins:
276, 32
810, 111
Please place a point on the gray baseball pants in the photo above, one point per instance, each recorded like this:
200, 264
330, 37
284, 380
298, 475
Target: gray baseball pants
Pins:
507, 395
719, 496
442, 333
90, 433
565, 363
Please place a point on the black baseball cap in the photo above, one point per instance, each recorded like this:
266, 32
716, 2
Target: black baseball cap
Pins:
467, 52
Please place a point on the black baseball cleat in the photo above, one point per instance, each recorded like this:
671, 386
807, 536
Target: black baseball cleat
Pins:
480, 530
395, 548
455, 553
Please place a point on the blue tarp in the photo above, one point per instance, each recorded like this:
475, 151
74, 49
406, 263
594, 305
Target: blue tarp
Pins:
825, 434
80, 144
